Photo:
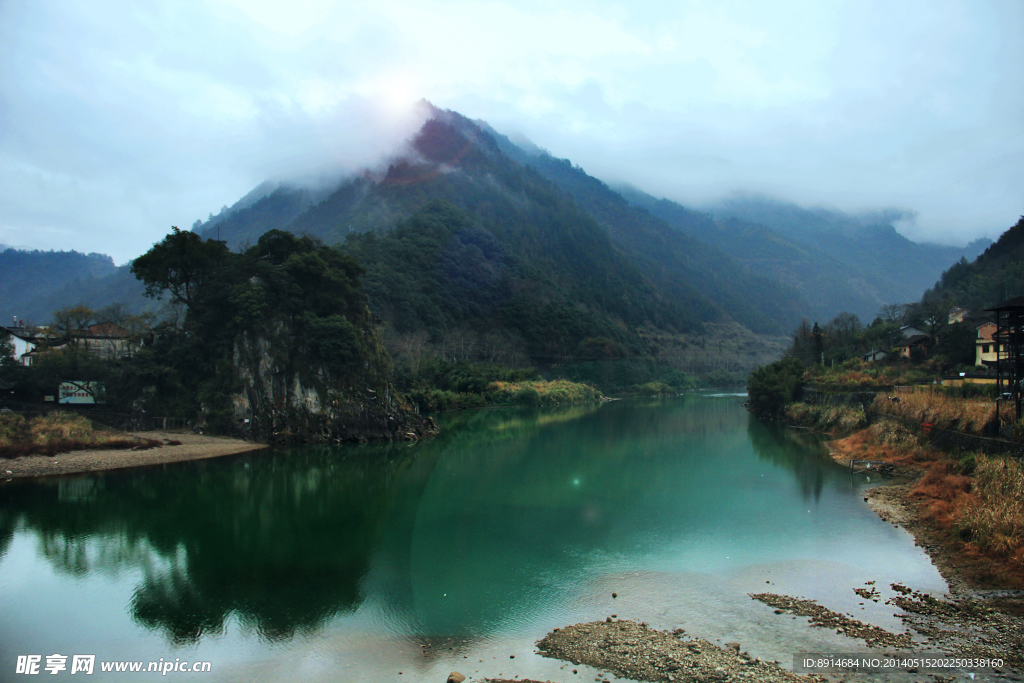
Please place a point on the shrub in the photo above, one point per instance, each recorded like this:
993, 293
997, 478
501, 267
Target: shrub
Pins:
528, 396
558, 392
13, 429
772, 387
58, 432
60, 425
655, 389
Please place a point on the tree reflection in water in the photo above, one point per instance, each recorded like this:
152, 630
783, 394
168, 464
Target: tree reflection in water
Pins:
805, 455
492, 521
282, 546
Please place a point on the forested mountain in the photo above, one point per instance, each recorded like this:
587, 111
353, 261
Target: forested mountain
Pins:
996, 275
678, 260
34, 283
458, 238
466, 230
870, 262
566, 237
819, 261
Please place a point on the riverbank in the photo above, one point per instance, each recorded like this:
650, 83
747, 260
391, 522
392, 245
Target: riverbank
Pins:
981, 616
938, 502
171, 447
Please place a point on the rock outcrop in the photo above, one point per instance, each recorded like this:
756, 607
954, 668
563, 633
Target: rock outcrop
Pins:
283, 398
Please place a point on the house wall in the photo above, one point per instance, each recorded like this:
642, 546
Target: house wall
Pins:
21, 347
985, 348
985, 352
960, 381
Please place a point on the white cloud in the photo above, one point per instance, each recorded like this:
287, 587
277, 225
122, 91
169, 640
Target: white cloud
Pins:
119, 119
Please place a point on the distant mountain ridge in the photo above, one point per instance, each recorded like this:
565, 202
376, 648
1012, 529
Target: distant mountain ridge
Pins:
837, 262
995, 276
636, 261
31, 281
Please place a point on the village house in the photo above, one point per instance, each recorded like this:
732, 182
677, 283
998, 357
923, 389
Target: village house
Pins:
103, 340
22, 341
917, 341
108, 341
875, 355
909, 331
986, 351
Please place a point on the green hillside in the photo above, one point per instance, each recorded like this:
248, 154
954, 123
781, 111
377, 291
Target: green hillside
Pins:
875, 261
31, 280
996, 275
826, 283
568, 232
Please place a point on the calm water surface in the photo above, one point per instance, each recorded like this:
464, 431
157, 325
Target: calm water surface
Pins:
349, 563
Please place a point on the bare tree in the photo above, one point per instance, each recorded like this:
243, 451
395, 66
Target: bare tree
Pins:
843, 328
173, 311
413, 346
892, 313
460, 344
70, 323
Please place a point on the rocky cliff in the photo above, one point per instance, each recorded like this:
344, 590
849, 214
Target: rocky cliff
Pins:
282, 400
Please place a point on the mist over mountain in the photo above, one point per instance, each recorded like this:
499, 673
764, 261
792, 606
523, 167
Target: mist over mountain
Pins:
836, 261
531, 206
456, 236
535, 232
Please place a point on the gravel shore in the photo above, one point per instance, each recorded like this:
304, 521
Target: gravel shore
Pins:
967, 622
176, 447
635, 651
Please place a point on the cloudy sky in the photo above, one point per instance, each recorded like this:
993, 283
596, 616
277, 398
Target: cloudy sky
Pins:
120, 119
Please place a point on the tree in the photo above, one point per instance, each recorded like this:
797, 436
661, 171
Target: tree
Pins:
10, 369
805, 344
958, 342
772, 387
935, 315
892, 313
135, 327
179, 264
71, 322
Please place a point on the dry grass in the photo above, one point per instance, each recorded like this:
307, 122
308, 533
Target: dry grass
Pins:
966, 415
58, 432
832, 419
894, 435
60, 425
992, 518
541, 393
944, 489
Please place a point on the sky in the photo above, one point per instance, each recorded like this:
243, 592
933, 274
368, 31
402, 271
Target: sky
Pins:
121, 119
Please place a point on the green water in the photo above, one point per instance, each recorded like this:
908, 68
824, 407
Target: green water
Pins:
339, 563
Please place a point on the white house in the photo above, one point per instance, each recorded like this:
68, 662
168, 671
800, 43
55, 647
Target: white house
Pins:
23, 344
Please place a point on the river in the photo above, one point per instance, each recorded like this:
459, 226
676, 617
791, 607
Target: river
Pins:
359, 562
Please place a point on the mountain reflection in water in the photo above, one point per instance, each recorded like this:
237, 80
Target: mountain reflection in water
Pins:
496, 519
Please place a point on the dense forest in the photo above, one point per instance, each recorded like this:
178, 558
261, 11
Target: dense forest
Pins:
275, 342
996, 275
